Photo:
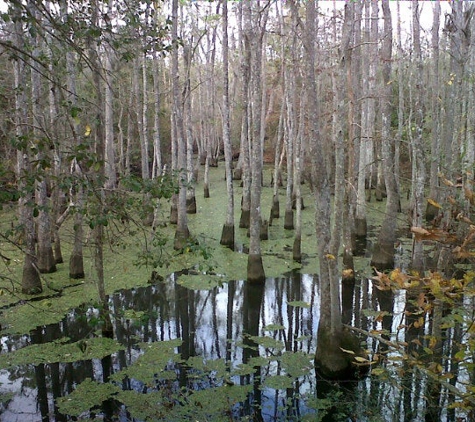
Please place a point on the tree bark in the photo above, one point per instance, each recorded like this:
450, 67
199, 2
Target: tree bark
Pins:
45, 257
244, 156
228, 232
419, 173
182, 233
431, 210
31, 281
384, 249
254, 32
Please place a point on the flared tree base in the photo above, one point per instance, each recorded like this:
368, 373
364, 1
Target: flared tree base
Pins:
294, 203
380, 193
275, 210
173, 214
255, 269
361, 228
383, 256
182, 238
147, 220
297, 249
289, 220
45, 261
227, 236
332, 362
264, 233
31, 281
431, 213
206, 191
57, 252
191, 205
237, 174
76, 267
245, 219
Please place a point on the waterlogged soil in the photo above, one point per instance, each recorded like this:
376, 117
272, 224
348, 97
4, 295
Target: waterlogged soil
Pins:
60, 329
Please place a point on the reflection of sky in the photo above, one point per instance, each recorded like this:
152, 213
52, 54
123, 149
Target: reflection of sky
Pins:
210, 310
211, 313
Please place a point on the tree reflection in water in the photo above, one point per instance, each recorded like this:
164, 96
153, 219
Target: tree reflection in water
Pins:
264, 335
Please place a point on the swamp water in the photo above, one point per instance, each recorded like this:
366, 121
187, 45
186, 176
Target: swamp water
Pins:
233, 352
229, 345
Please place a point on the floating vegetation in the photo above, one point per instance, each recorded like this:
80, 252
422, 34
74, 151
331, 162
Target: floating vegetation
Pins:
61, 351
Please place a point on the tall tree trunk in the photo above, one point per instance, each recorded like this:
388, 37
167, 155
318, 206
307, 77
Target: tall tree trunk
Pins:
187, 122
367, 120
419, 176
431, 209
45, 257
109, 147
228, 232
245, 130
400, 101
57, 196
31, 281
254, 32
383, 253
277, 176
289, 135
182, 233
329, 359
297, 246
157, 165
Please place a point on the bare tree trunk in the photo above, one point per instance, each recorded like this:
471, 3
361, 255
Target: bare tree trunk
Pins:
45, 257
431, 209
245, 130
289, 137
469, 149
227, 235
329, 358
109, 147
297, 246
56, 194
277, 176
400, 110
254, 32
157, 166
419, 176
367, 120
187, 122
76, 260
384, 249
182, 233
31, 281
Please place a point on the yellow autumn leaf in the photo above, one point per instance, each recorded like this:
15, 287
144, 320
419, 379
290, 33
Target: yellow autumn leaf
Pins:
434, 203
361, 360
87, 132
351, 352
419, 230
330, 256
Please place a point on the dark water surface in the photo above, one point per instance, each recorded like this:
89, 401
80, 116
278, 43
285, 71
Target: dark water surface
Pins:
215, 325
211, 324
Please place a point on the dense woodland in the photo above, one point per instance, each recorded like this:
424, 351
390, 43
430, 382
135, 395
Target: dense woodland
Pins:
110, 109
